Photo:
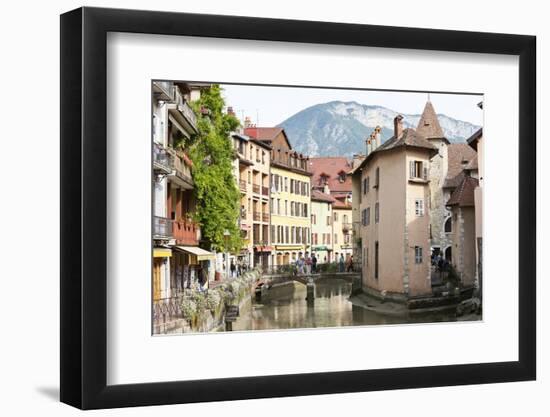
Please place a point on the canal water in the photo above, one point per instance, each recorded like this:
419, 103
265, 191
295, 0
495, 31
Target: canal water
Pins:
285, 307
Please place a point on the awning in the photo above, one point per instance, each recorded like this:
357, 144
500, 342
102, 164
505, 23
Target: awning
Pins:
260, 248
279, 247
320, 248
162, 253
201, 254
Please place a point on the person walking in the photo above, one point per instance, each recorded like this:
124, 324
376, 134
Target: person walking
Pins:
350, 264
341, 263
308, 264
233, 269
314, 264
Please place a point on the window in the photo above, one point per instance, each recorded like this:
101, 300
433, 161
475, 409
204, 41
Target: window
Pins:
328, 220
286, 184
286, 207
335, 239
291, 185
365, 185
418, 170
419, 207
328, 238
305, 210
449, 225
272, 233
342, 176
292, 208
335, 216
313, 219
377, 178
292, 234
345, 218
376, 256
365, 219
377, 213
263, 157
418, 254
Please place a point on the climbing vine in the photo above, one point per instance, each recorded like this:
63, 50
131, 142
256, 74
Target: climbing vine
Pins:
218, 198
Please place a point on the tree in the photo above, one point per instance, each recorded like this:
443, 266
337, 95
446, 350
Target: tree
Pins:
218, 198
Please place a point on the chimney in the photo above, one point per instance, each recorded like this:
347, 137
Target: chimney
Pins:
378, 135
230, 111
398, 126
368, 144
247, 122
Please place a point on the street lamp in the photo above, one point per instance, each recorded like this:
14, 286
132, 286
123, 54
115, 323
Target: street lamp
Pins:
226, 235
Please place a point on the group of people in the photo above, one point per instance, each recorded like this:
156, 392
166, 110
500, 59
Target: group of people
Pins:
236, 270
347, 265
306, 265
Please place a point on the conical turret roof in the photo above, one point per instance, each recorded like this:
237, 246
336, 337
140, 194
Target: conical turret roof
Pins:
428, 125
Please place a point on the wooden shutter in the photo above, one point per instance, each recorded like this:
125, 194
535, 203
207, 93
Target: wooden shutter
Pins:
411, 169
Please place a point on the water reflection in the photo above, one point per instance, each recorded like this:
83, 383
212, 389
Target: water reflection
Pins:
285, 307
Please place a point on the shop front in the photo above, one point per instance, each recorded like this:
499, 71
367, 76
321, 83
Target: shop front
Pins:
191, 267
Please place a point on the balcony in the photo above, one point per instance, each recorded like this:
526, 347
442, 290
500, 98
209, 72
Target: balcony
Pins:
257, 216
265, 190
162, 228
265, 217
347, 227
256, 188
183, 113
161, 160
180, 170
242, 185
185, 232
163, 90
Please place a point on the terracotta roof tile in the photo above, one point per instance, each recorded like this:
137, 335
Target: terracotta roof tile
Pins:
463, 195
332, 167
263, 133
459, 155
317, 195
409, 137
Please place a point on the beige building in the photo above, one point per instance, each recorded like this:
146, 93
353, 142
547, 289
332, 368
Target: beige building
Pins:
253, 158
395, 220
330, 177
322, 226
290, 200
477, 171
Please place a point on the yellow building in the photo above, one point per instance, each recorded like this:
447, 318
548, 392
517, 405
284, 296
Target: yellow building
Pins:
290, 200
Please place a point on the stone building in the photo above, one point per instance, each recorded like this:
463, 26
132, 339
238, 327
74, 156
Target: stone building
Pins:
462, 205
395, 220
445, 173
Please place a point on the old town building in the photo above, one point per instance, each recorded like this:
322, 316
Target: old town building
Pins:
177, 258
477, 170
462, 205
330, 176
395, 221
322, 226
252, 173
290, 195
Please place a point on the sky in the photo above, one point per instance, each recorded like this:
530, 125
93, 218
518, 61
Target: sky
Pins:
269, 106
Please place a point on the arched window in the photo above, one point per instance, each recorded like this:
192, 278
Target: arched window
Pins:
448, 225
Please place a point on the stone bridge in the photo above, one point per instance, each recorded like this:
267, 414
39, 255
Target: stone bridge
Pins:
274, 278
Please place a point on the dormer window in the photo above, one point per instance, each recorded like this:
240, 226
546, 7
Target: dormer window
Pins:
342, 176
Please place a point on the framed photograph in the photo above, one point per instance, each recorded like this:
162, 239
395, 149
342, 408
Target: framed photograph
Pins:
257, 208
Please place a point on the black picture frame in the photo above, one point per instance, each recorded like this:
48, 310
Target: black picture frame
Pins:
84, 179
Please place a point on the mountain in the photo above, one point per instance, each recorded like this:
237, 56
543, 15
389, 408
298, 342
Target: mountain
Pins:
340, 128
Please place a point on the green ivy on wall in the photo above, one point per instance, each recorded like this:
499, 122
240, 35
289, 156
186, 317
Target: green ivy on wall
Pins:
218, 198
